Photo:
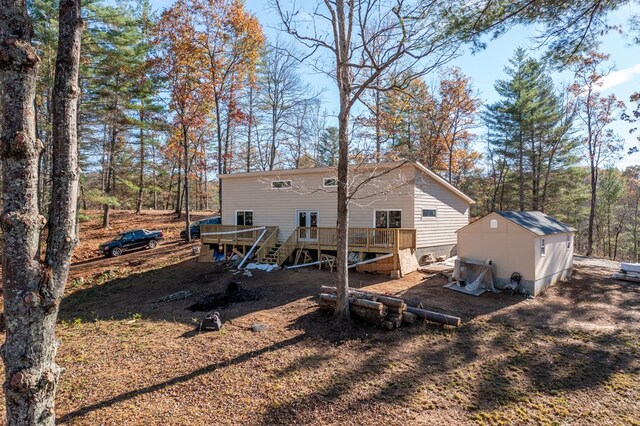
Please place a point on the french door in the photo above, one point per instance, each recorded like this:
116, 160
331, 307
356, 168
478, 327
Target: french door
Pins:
308, 219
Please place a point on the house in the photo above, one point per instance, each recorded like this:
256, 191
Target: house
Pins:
396, 206
533, 244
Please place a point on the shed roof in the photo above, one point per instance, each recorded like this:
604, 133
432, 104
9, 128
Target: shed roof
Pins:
537, 222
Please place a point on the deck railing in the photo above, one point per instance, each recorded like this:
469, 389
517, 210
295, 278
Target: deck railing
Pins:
385, 240
268, 242
361, 238
246, 238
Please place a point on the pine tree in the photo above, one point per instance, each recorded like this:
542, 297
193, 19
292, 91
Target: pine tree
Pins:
529, 135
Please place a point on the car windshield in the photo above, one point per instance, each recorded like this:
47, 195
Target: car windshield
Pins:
118, 237
196, 223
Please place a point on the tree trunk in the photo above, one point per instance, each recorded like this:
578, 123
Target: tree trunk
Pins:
32, 291
141, 176
592, 210
186, 182
342, 225
250, 121
178, 209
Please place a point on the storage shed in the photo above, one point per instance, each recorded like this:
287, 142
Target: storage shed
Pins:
533, 244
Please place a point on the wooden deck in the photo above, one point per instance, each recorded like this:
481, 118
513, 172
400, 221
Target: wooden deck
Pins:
362, 240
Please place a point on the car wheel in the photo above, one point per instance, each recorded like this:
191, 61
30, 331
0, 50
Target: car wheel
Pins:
195, 236
115, 252
152, 244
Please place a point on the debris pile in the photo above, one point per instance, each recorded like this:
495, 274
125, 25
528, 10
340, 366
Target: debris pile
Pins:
184, 294
233, 294
628, 272
388, 312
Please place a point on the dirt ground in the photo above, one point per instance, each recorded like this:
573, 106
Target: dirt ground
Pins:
570, 356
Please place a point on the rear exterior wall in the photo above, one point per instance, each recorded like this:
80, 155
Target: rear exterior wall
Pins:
437, 234
278, 207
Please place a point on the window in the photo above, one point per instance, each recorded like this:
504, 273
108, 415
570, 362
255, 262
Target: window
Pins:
388, 218
493, 224
542, 248
568, 242
329, 182
244, 217
277, 184
429, 213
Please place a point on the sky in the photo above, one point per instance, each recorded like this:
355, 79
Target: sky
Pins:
487, 66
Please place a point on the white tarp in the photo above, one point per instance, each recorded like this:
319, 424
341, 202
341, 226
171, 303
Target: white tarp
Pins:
476, 274
262, 266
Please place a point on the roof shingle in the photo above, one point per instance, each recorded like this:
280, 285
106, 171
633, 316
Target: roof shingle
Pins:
537, 222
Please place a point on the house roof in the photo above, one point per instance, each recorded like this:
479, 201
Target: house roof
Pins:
364, 167
537, 222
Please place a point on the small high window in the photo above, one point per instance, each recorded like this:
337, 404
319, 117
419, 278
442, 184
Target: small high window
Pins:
329, 182
277, 184
568, 242
244, 217
493, 224
429, 213
542, 247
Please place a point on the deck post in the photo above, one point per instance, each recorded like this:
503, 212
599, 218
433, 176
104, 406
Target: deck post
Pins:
369, 239
396, 248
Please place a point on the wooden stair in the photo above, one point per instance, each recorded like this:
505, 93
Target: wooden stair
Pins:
272, 257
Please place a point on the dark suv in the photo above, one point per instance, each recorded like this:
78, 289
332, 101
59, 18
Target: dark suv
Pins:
131, 240
194, 228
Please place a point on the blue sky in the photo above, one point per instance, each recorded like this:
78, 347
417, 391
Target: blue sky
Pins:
487, 66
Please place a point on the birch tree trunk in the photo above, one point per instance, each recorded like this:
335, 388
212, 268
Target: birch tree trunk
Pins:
32, 290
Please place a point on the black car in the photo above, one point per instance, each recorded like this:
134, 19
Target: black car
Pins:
194, 228
131, 240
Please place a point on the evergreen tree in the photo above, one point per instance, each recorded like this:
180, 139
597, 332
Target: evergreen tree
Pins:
529, 136
328, 148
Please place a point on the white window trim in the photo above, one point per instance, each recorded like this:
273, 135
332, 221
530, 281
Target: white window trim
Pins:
324, 182
422, 216
387, 210
568, 242
306, 210
236, 217
283, 187
543, 248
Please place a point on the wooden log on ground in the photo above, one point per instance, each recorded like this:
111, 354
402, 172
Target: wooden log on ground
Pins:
435, 316
395, 319
369, 304
375, 316
387, 325
392, 301
408, 317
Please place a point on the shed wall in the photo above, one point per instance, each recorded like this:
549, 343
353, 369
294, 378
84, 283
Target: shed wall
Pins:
510, 247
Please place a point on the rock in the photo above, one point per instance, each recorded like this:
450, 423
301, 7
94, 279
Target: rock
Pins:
259, 327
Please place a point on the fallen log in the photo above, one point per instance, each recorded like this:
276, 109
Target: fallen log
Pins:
435, 316
408, 317
386, 299
369, 304
395, 319
362, 310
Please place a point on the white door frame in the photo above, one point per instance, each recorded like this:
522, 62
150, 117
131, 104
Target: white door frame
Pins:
305, 235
